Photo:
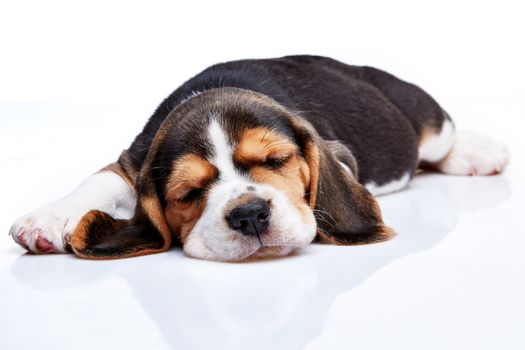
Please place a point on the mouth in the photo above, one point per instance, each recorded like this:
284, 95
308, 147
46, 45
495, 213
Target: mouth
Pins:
272, 252
264, 249
250, 252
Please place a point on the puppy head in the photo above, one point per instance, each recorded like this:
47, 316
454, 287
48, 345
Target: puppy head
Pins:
237, 180
232, 174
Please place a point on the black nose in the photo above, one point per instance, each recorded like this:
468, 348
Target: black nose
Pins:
251, 218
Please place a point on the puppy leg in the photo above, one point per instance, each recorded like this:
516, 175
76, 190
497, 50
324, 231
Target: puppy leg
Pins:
463, 153
47, 230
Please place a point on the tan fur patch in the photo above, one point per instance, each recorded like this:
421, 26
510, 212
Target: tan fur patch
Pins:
428, 131
119, 170
182, 217
127, 166
311, 154
258, 145
153, 210
313, 159
79, 237
189, 172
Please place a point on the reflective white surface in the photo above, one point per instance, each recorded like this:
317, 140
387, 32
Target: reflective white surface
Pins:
452, 278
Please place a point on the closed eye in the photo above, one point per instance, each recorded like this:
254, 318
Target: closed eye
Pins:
193, 195
276, 163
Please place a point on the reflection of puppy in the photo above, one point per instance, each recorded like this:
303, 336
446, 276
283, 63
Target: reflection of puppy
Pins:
248, 315
258, 157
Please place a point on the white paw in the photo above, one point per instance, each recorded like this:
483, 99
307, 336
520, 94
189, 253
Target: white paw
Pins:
46, 230
474, 154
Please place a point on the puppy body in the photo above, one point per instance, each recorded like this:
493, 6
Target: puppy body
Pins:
379, 118
294, 142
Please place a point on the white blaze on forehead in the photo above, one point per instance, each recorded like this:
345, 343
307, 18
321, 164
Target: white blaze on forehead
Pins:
223, 152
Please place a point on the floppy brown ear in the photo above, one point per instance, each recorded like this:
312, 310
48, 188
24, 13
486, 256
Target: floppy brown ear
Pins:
99, 236
346, 212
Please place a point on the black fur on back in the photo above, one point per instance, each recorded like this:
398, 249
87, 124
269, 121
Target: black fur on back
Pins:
379, 117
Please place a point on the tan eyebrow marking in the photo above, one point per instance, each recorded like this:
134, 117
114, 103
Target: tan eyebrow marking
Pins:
258, 144
189, 171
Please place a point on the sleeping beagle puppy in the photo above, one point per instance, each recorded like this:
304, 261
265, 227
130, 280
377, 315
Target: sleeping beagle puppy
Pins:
258, 158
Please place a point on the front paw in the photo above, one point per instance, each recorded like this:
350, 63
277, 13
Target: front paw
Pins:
45, 231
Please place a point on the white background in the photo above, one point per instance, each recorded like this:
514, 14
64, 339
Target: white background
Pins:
78, 79
127, 50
